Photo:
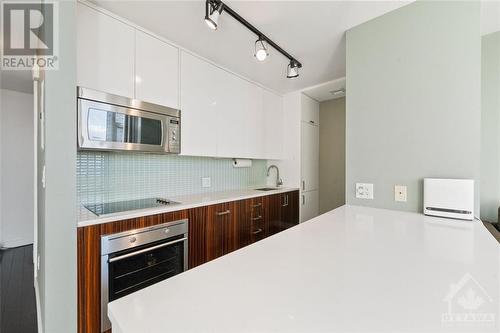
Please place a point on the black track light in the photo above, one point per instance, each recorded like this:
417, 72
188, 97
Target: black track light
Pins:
212, 13
214, 8
292, 70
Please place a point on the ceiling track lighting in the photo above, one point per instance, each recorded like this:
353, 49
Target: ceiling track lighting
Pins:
212, 13
214, 8
261, 51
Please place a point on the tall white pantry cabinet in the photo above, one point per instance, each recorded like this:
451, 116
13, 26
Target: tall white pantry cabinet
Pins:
309, 158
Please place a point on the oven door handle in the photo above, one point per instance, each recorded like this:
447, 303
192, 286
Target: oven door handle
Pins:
128, 255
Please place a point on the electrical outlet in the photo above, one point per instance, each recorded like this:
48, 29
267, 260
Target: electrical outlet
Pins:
364, 191
400, 193
206, 182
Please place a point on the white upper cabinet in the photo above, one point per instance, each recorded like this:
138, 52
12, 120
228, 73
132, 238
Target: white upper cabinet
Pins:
240, 118
273, 123
222, 114
310, 110
199, 103
156, 71
105, 52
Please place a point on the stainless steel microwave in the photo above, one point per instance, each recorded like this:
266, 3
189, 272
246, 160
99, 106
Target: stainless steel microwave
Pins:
110, 122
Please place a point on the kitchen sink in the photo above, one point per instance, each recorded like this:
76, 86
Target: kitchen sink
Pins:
267, 189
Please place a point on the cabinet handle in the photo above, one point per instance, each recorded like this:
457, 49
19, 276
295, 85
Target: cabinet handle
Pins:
285, 201
258, 231
257, 218
311, 121
303, 199
257, 205
303, 185
224, 213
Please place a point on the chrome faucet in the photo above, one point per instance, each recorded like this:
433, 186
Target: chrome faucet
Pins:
279, 181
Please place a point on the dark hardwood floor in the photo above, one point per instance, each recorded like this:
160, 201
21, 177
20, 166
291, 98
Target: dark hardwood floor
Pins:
17, 293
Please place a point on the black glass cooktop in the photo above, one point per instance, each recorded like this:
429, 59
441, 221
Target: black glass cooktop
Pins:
123, 206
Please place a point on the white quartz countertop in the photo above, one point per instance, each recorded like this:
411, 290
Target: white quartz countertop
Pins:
352, 269
86, 217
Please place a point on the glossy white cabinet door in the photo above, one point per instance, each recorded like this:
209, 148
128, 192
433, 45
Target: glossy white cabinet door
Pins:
309, 156
310, 110
105, 53
199, 103
273, 125
156, 71
240, 117
309, 205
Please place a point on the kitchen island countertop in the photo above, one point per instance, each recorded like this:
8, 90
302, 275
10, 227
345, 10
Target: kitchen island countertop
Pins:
352, 269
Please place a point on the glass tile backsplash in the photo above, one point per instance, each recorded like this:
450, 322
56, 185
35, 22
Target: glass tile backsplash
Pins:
110, 176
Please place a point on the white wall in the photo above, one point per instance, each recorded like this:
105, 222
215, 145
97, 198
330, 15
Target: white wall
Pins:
16, 168
413, 100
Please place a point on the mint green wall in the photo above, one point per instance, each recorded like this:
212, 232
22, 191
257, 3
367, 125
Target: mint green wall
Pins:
109, 176
490, 127
413, 100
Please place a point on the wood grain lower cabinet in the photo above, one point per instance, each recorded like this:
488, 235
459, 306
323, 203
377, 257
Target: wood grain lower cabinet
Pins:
221, 230
252, 222
214, 231
283, 211
197, 236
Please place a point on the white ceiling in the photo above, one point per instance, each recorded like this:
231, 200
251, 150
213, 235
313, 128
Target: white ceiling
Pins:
324, 91
312, 31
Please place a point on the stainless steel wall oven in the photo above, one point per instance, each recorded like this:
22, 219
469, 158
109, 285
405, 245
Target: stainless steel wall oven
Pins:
135, 259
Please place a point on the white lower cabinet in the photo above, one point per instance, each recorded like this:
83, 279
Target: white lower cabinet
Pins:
309, 205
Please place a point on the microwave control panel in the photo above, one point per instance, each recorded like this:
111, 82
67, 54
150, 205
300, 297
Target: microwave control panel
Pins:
174, 137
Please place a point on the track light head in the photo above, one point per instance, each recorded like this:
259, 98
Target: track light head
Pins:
261, 50
292, 70
212, 13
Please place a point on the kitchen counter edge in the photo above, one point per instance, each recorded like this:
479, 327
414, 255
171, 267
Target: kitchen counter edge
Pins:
86, 218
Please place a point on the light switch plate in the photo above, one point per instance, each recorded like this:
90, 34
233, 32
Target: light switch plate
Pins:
206, 182
364, 191
400, 193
